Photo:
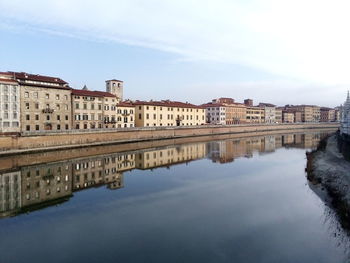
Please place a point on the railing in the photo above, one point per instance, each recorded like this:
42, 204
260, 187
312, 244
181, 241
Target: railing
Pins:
48, 110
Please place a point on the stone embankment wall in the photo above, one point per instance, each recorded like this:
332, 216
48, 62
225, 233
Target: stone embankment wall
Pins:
44, 141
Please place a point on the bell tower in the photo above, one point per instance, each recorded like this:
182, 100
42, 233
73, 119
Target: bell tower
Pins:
115, 87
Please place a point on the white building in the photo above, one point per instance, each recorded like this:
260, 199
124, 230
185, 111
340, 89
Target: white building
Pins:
215, 113
9, 104
270, 112
345, 117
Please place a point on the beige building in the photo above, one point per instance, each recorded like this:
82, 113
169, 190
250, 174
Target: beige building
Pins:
88, 108
125, 115
215, 113
236, 113
45, 102
10, 107
288, 117
167, 113
255, 114
309, 113
115, 87
278, 115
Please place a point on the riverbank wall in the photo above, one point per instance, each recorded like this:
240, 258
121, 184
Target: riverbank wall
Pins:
48, 141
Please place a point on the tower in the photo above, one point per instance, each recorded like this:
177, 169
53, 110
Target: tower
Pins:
115, 87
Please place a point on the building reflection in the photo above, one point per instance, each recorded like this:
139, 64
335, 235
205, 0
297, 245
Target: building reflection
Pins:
29, 188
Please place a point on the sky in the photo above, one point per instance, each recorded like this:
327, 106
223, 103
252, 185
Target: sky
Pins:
281, 52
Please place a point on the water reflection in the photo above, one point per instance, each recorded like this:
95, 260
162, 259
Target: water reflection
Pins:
32, 187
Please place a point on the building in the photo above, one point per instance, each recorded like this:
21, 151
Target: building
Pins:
125, 115
328, 114
345, 117
45, 102
10, 193
115, 87
255, 114
309, 113
248, 102
269, 111
236, 113
88, 109
288, 116
215, 113
167, 113
10, 107
279, 117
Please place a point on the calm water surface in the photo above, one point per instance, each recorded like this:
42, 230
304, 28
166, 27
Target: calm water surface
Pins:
240, 200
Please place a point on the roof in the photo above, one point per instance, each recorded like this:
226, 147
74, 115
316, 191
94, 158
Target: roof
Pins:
90, 93
8, 81
26, 76
114, 80
125, 104
263, 104
326, 109
167, 103
211, 104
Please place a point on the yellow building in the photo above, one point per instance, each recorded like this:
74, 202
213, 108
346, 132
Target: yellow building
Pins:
255, 114
167, 113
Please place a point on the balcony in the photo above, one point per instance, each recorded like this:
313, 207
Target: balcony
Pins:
48, 110
109, 121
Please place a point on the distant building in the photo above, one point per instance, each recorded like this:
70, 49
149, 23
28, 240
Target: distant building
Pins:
328, 115
255, 114
91, 109
215, 113
125, 115
235, 112
279, 117
167, 113
309, 113
269, 111
248, 102
10, 107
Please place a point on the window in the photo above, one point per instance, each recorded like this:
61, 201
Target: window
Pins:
140, 116
36, 117
26, 94
77, 105
67, 127
58, 107
58, 117
67, 118
47, 96
36, 106
37, 127
66, 97
28, 128
35, 95
27, 117
85, 106
57, 96
58, 126
47, 117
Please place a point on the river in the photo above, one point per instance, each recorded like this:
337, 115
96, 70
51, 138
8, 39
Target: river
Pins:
233, 200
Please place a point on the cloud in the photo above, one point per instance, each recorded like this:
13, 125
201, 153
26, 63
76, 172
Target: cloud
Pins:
306, 40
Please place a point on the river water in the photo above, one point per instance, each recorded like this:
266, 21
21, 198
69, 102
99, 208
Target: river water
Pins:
232, 200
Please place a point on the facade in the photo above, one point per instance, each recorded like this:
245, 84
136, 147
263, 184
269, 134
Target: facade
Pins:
269, 111
167, 113
288, 117
279, 117
328, 115
45, 102
215, 113
309, 113
125, 115
10, 192
88, 109
10, 107
236, 113
255, 114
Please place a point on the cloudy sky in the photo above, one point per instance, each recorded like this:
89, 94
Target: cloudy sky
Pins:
278, 51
